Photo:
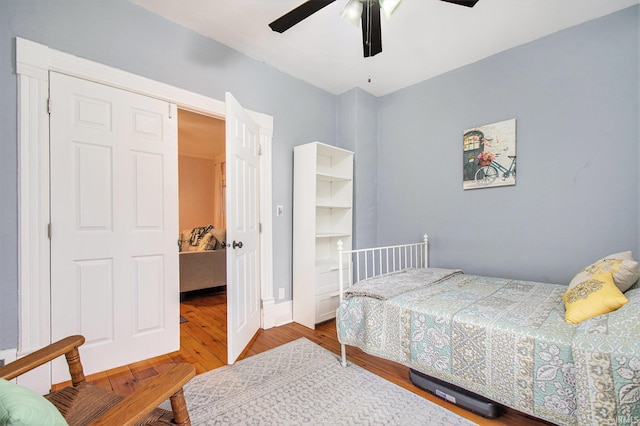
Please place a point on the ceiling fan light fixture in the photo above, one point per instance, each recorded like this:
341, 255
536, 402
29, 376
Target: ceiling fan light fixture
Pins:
364, 13
352, 12
389, 6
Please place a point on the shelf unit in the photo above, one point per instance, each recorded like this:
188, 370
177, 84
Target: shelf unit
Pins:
322, 216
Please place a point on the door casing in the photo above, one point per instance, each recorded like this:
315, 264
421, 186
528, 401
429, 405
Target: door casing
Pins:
34, 61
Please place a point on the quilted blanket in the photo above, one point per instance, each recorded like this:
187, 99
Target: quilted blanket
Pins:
507, 340
386, 286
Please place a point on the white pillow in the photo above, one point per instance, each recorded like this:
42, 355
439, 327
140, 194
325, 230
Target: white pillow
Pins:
622, 265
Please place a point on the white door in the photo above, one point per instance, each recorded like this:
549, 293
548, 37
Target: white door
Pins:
243, 260
114, 223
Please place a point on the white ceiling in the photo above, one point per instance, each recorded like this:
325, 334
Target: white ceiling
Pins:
424, 38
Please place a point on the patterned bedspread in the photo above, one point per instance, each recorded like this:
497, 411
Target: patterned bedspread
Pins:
390, 285
507, 340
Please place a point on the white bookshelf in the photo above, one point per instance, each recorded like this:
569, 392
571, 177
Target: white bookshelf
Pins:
322, 215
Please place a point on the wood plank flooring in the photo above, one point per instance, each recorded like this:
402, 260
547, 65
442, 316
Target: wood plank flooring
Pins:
203, 344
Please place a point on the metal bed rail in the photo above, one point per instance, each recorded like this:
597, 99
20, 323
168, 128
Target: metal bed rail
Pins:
372, 262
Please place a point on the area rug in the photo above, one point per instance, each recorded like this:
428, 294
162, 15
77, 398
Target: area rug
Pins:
301, 383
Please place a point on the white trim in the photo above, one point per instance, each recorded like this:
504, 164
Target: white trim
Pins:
33, 64
33, 214
266, 222
8, 355
283, 313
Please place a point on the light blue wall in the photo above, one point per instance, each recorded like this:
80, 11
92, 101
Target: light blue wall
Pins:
357, 130
125, 36
574, 95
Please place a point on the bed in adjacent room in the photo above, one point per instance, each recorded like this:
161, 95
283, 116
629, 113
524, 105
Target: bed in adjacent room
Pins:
507, 340
203, 258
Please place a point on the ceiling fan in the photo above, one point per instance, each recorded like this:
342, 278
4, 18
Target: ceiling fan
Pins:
366, 12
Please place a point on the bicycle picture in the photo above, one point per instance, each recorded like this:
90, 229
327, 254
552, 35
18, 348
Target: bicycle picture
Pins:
489, 155
486, 175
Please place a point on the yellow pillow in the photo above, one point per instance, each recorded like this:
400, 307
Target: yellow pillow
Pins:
595, 296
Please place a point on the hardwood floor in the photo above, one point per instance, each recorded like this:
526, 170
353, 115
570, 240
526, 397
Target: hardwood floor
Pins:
203, 344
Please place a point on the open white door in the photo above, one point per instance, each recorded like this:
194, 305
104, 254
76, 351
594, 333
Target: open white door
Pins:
114, 223
243, 260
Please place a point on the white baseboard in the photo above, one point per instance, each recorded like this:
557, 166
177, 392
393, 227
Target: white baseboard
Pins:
275, 315
283, 313
38, 380
8, 355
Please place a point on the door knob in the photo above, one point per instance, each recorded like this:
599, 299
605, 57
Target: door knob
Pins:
237, 244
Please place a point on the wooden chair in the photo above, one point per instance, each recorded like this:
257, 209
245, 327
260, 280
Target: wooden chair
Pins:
84, 403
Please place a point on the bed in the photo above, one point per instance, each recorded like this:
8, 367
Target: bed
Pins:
506, 340
203, 258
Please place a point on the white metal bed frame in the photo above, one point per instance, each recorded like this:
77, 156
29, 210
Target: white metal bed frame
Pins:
372, 262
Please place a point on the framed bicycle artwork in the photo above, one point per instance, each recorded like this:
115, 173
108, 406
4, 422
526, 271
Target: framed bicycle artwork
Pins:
489, 155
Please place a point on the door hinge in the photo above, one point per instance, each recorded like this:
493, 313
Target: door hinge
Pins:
170, 111
49, 106
259, 149
260, 227
49, 231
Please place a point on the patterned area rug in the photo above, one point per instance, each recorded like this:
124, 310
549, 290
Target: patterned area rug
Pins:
301, 383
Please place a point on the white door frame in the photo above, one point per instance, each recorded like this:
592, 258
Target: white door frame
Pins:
33, 63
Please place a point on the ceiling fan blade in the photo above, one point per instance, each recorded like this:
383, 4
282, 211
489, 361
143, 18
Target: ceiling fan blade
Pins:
301, 12
468, 3
371, 31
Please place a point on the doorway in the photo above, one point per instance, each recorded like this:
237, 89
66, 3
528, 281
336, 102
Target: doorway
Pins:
201, 170
202, 224
33, 64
